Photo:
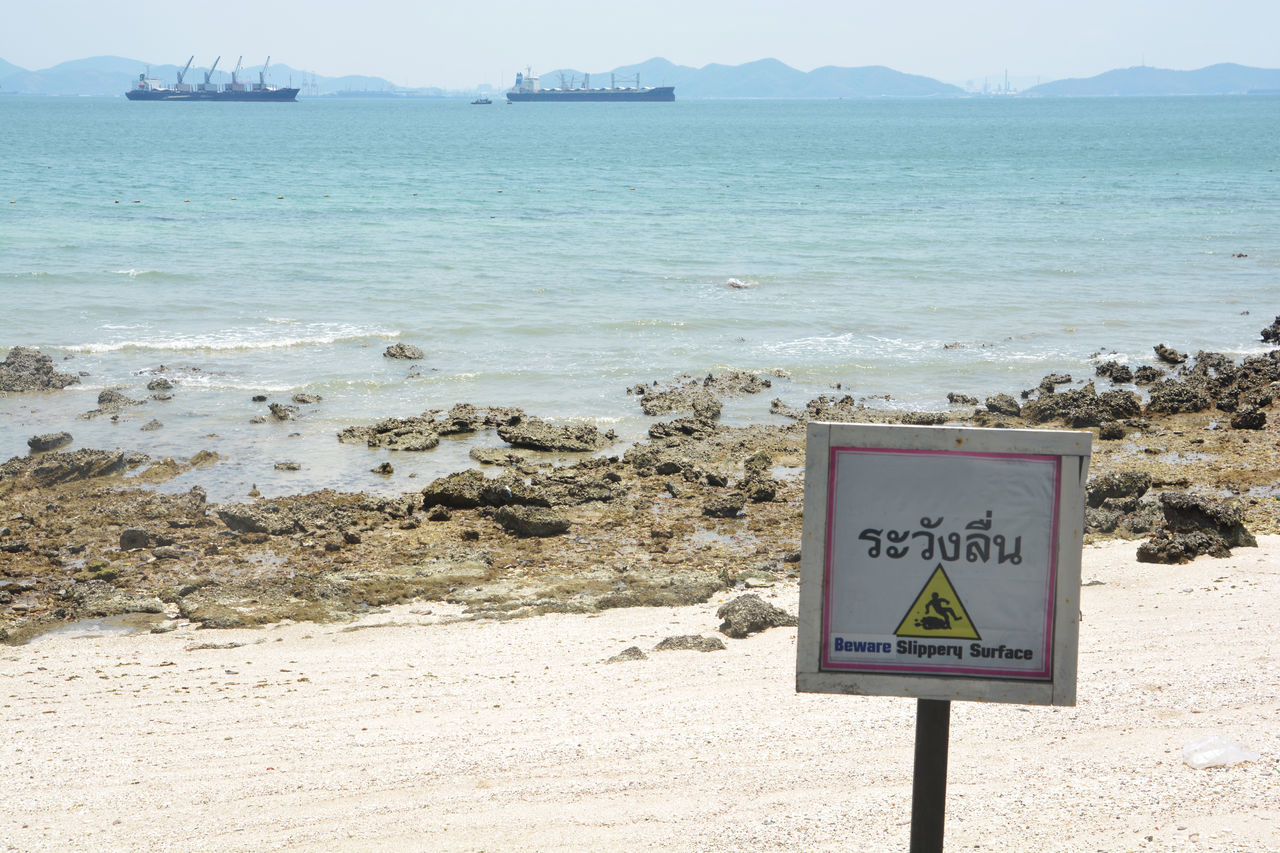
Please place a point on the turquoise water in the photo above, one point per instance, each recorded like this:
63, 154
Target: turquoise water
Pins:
549, 255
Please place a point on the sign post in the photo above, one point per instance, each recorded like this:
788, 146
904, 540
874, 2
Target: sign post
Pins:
941, 563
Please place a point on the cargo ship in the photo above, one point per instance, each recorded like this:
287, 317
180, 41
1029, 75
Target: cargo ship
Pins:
150, 89
528, 88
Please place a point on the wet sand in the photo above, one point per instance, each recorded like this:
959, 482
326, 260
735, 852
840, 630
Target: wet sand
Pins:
410, 729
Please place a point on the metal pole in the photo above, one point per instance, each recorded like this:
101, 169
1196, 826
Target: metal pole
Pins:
929, 787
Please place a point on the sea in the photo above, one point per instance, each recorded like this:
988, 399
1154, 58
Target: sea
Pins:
550, 256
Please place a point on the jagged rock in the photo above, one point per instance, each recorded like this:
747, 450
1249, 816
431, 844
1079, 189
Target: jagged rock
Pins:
99, 598
259, 398
307, 399
401, 350
569, 486
1117, 484
465, 418
1251, 418
694, 428
48, 441
924, 418
1100, 520
1082, 407
26, 369
282, 411
537, 434
758, 488
1169, 355
439, 513
686, 399
757, 464
627, 654
1271, 334
777, 407
383, 468
133, 538
502, 456
1258, 370
690, 643
1186, 512
1170, 547
288, 466
1115, 371
1003, 404
111, 402
1213, 365
412, 434
470, 489
749, 614
151, 426
736, 382
258, 517
1053, 380
833, 410
1170, 396
1111, 431
1195, 525
63, 467
531, 521
956, 399
160, 384
724, 506
1146, 375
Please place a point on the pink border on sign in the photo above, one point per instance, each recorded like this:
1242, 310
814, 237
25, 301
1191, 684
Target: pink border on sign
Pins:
906, 668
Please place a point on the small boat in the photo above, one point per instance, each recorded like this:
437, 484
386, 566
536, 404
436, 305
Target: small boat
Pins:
482, 101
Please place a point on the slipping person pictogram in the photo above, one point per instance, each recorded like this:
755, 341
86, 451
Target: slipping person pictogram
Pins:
938, 612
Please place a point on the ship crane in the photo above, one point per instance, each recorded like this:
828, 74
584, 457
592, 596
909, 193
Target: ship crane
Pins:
184, 87
236, 85
262, 75
206, 86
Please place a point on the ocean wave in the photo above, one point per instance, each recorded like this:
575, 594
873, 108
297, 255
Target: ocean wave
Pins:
221, 382
234, 340
132, 273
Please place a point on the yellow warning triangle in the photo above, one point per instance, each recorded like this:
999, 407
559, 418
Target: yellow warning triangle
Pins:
938, 612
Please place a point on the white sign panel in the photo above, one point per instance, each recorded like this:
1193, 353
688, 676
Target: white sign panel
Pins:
940, 562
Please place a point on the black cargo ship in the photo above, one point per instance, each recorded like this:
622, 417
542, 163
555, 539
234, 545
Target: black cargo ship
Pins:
149, 89
528, 88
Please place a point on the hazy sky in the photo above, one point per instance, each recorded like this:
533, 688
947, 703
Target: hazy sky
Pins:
459, 44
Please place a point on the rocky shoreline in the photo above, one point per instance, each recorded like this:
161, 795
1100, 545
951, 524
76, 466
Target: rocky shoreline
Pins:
1185, 458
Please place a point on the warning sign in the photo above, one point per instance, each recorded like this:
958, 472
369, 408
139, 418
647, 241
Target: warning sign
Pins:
941, 562
938, 612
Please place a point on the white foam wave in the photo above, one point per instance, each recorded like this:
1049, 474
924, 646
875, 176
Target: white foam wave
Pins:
218, 382
233, 340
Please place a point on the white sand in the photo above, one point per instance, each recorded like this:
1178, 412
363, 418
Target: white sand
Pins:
515, 735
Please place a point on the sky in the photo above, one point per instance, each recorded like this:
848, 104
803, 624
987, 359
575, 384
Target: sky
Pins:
460, 45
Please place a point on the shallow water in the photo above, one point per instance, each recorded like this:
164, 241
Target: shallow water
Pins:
549, 256
103, 626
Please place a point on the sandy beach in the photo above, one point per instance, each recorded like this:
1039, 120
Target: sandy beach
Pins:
415, 729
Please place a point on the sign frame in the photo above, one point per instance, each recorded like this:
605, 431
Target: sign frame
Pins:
1072, 450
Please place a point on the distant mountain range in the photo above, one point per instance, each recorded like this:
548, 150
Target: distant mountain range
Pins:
765, 78
1223, 79
769, 78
